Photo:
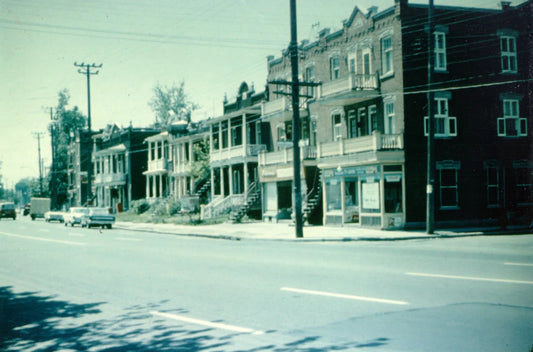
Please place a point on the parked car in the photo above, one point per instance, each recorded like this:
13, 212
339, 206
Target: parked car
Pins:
74, 215
54, 216
98, 217
7, 210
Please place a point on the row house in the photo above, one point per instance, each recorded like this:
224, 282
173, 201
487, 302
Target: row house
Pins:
79, 162
363, 125
171, 156
235, 140
119, 159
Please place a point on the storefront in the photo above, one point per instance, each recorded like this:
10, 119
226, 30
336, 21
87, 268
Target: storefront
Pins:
371, 196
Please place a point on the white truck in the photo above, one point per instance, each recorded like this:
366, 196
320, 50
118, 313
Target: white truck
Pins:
39, 206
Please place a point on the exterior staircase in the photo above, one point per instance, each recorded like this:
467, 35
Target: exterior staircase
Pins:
313, 198
250, 199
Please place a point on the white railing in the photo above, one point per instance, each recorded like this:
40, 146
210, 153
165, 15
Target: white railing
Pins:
182, 169
285, 155
158, 164
375, 142
110, 179
352, 82
336, 86
363, 81
220, 205
237, 151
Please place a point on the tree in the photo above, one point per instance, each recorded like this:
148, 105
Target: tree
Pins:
171, 104
66, 123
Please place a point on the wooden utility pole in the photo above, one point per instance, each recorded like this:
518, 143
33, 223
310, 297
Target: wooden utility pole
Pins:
86, 70
430, 192
297, 184
38, 136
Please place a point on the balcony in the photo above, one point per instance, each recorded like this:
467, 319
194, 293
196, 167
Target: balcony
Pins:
182, 169
285, 155
110, 179
157, 165
375, 142
352, 82
240, 151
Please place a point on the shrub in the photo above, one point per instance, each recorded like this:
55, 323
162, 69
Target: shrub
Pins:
140, 206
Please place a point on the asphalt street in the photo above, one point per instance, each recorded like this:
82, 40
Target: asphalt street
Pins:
72, 289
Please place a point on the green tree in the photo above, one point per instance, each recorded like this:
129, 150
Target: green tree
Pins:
66, 123
171, 104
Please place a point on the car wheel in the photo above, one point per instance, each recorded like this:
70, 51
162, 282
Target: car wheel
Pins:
109, 226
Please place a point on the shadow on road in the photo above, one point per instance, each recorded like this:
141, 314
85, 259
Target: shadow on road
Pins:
29, 321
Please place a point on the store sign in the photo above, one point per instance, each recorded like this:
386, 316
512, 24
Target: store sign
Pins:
352, 171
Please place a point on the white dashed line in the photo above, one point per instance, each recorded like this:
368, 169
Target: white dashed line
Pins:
473, 278
42, 239
207, 323
519, 264
345, 296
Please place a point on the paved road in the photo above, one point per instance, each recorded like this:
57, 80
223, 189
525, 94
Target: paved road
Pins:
74, 289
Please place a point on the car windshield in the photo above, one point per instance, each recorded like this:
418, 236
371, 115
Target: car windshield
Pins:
100, 211
8, 206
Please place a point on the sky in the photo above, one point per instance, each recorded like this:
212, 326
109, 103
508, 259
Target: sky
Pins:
210, 45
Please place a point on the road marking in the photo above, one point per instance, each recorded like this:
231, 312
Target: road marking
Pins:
42, 239
519, 264
207, 323
473, 278
341, 295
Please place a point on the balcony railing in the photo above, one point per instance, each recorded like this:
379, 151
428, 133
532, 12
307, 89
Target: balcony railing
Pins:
158, 164
239, 151
375, 142
110, 179
352, 82
285, 155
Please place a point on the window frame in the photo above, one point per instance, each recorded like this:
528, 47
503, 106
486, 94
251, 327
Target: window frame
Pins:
336, 125
445, 166
508, 57
440, 63
448, 123
387, 56
334, 67
511, 113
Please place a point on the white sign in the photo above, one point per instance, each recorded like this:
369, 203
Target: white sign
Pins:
371, 195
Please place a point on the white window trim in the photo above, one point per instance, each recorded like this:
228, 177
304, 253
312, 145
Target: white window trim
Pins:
449, 165
509, 56
337, 127
387, 59
390, 127
520, 122
440, 65
449, 121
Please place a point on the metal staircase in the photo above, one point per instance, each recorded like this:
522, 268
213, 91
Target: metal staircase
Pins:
250, 199
313, 197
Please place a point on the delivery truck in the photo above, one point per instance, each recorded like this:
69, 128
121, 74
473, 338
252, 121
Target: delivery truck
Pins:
39, 206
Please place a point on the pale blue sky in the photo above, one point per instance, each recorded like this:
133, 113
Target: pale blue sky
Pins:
212, 45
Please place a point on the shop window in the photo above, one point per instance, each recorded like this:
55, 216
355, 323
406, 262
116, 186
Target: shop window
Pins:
393, 193
333, 194
370, 196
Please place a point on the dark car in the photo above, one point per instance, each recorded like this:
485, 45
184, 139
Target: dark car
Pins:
7, 210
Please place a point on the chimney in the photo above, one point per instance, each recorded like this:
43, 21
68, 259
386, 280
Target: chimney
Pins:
323, 33
372, 10
506, 5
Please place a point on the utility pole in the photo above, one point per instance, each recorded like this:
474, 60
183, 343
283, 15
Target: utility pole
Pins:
53, 183
88, 70
430, 193
38, 136
297, 185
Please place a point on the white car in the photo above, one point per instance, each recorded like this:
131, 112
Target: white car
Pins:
53, 216
98, 217
74, 215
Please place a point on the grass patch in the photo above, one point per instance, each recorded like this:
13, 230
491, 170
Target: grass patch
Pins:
178, 219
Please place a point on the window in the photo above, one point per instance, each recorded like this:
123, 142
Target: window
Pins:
334, 67
352, 124
444, 125
389, 118
337, 126
393, 193
224, 129
372, 118
448, 184
508, 52
362, 122
310, 77
523, 176
440, 51
313, 135
511, 125
386, 56
492, 181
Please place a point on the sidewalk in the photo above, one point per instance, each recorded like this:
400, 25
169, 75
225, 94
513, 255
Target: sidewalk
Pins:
285, 231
